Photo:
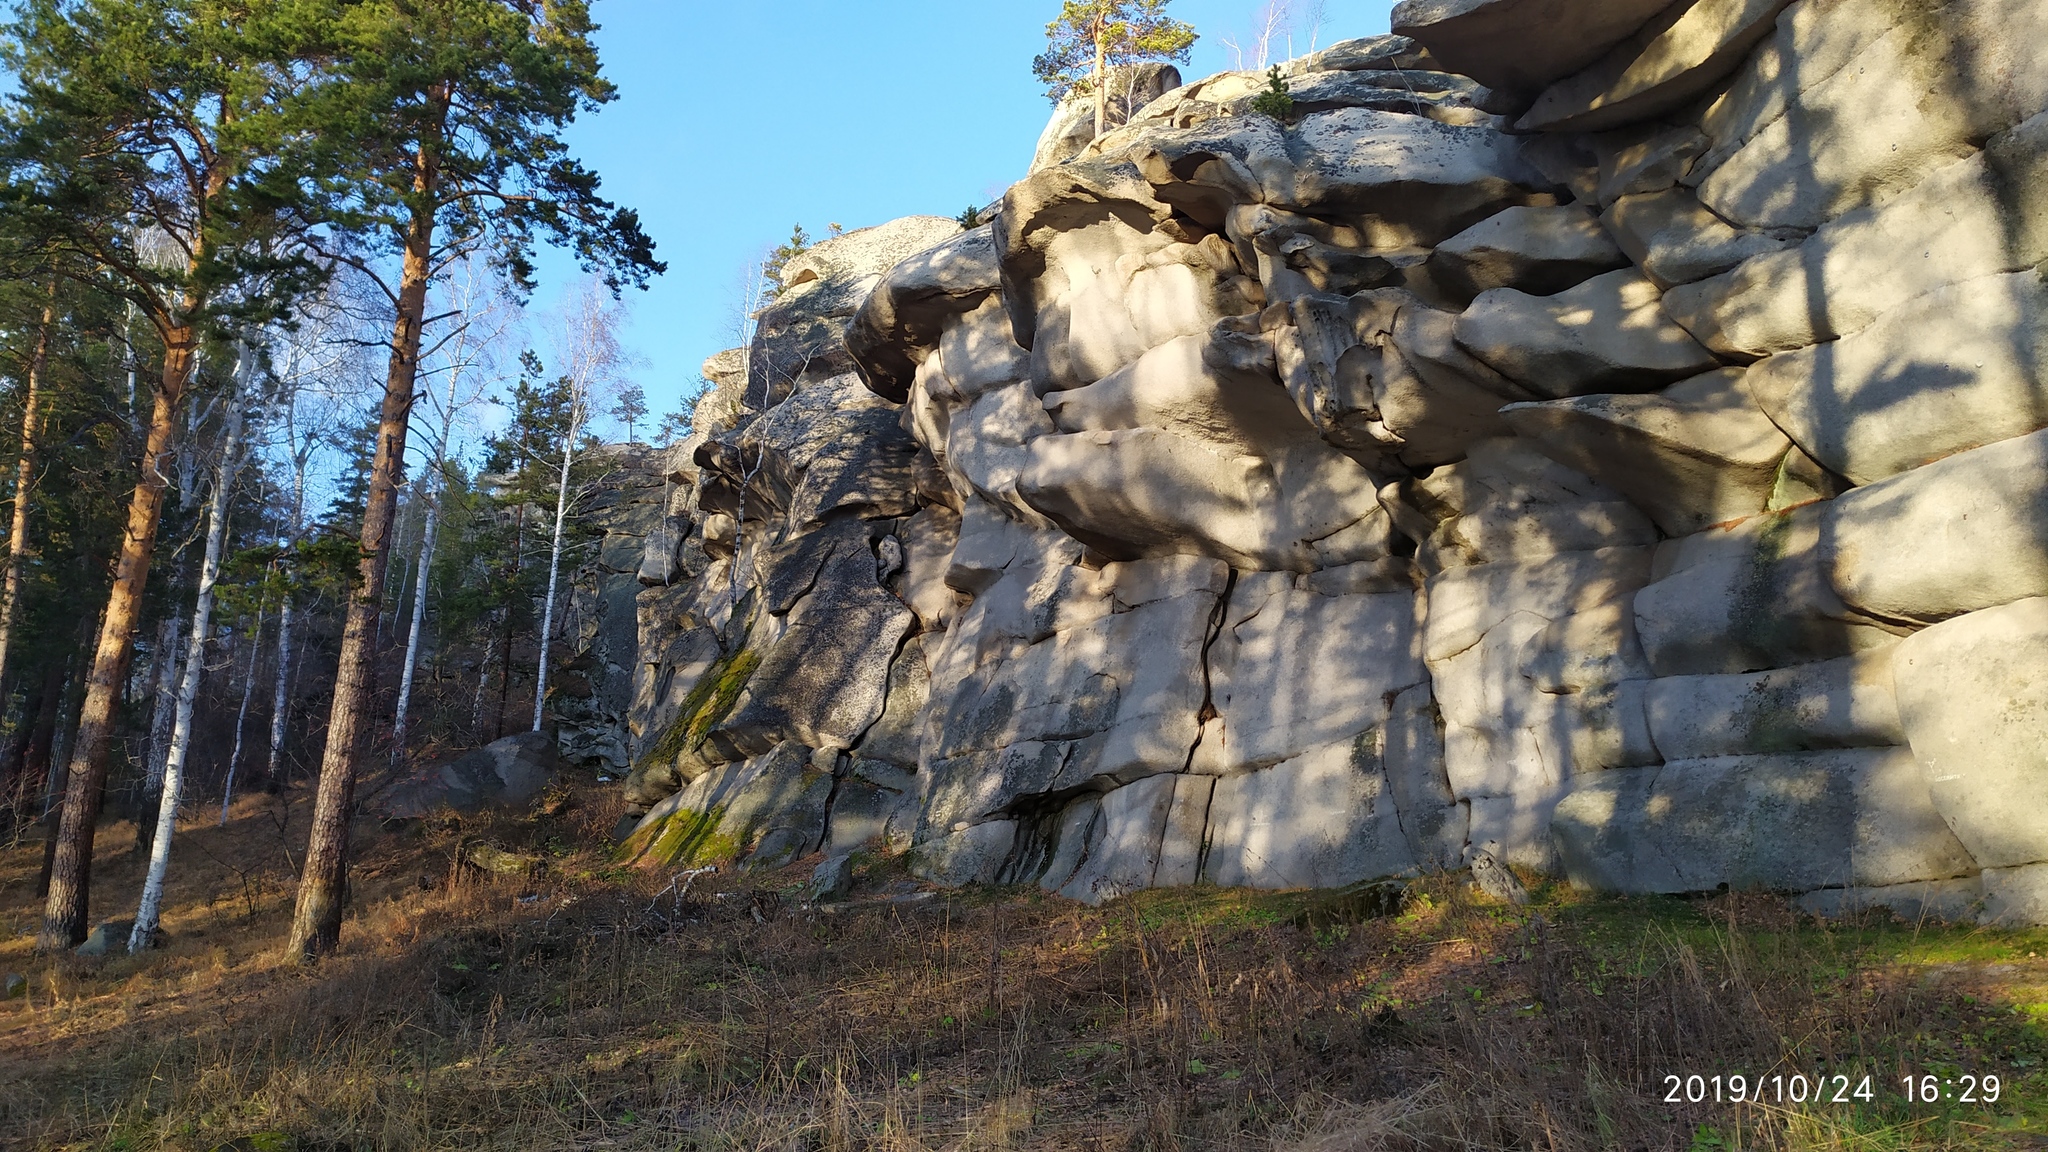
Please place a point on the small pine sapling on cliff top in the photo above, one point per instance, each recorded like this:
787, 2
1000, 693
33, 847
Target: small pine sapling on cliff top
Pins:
1276, 101
798, 243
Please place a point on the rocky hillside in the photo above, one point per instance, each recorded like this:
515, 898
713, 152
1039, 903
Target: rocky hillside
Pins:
1604, 436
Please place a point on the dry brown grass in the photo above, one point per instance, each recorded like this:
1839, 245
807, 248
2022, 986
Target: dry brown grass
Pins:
594, 1008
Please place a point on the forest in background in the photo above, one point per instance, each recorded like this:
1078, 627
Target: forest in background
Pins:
298, 476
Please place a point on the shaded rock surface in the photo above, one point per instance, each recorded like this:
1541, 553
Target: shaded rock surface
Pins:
506, 773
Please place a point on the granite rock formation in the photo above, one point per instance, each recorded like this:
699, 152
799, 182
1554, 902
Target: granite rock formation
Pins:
1609, 438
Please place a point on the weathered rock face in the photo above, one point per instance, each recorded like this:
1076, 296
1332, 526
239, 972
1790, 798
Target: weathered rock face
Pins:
628, 509
1632, 468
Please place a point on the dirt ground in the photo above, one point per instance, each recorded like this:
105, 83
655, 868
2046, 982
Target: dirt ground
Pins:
579, 1004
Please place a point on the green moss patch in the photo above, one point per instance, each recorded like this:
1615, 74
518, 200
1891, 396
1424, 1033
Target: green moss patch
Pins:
709, 702
686, 837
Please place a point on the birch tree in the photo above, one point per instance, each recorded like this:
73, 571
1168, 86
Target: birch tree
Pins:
311, 356
589, 340
163, 112
225, 468
227, 788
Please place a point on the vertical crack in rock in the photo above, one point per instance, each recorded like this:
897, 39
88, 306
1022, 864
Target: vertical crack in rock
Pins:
1217, 616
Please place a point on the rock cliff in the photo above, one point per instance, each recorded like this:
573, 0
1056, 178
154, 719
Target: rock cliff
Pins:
1608, 435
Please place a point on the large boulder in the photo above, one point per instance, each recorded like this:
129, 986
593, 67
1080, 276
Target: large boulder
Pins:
1321, 820
1791, 822
1674, 239
1962, 366
1750, 596
1411, 180
1522, 45
1058, 679
901, 320
1853, 101
1966, 532
1293, 669
1072, 127
825, 680
798, 336
1508, 501
1843, 703
505, 773
2015, 897
1178, 453
1679, 55
1699, 453
1609, 334
765, 811
1437, 96
1973, 694
1538, 250
1380, 376
1133, 832
1975, 217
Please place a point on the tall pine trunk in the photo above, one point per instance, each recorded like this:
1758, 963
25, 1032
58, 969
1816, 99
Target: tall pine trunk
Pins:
1101, 72
144, 932
24, 480
65, 913
323, 882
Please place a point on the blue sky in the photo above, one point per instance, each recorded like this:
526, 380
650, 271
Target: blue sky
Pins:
738, 119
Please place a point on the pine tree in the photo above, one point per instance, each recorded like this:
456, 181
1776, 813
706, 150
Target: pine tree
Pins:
631, 408
799, 242
146, 141
445, 119
1090, 37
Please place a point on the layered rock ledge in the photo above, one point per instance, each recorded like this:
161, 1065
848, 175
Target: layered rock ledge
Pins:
1614, 437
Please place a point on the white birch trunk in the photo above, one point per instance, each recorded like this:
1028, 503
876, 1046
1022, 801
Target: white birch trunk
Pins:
170, 657
433, 491
547, 616
281, 701
412, 638
147, 910
227, 792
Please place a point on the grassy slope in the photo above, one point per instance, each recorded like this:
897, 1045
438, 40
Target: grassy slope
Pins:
595, 1007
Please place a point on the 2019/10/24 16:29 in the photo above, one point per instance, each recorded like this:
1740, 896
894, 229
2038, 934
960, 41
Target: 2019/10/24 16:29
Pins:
1824, 1089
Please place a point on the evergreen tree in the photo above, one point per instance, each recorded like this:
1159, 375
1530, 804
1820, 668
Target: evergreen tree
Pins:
631, 408
144, 139
1090, 37
444, 121
799, 242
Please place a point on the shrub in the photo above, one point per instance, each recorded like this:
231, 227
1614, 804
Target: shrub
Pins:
1275, 101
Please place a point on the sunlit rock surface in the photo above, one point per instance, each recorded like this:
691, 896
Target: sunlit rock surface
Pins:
1610, 436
